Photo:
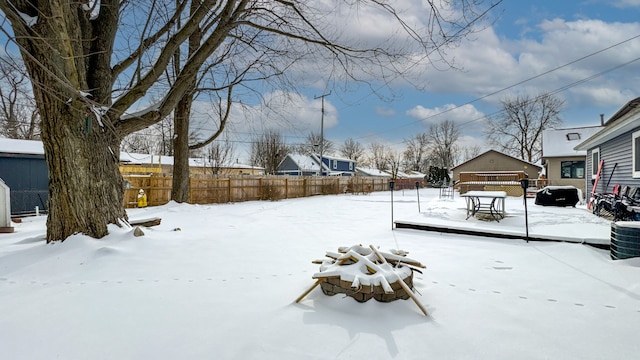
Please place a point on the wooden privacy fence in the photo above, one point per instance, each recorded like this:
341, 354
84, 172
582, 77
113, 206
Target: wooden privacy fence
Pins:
246, 188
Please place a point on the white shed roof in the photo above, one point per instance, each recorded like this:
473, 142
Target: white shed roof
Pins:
560, 142
15, 146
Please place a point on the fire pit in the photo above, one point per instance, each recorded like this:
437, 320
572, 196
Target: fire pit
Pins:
364, 273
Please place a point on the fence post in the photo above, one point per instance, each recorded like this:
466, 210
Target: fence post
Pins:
191, 198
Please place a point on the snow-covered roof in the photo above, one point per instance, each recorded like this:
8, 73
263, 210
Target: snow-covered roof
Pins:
330, 157
373, 172
35, 147
410, 175
304, 162
147, 159
623, 121
15, 146
538, 166
560, 142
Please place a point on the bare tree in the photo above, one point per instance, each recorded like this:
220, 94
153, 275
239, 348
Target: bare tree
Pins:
219, 155
157, 139
394, 160
442, 139
469, 152
19, 117
517, 130
90, 62
353, 150
312, 145
415, 155
268, 150
379, 156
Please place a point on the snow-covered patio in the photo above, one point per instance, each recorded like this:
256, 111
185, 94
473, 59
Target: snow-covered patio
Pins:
219, 282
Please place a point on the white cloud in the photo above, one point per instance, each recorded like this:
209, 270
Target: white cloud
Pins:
490, 63
458, 114
384, 111
286, 113
626, 3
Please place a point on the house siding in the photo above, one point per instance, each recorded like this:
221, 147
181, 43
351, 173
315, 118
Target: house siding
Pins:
554, 176
615, 151
28, 179
341, 165
288, 165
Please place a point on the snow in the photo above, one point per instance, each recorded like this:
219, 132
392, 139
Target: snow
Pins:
16, 146
94, 7
219, 282
557, 143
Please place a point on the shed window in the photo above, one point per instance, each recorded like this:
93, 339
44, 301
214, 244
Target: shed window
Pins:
572, 169
595, 162
635, 145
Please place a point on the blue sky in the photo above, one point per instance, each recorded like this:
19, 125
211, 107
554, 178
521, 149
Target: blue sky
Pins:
525, 39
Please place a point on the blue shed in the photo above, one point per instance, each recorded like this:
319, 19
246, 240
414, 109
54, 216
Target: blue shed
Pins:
24, 170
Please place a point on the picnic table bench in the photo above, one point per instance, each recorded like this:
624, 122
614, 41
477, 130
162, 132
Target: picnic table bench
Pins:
485, 202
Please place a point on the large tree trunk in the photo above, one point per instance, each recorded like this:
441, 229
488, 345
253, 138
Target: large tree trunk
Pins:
180, 188
71, 85
85, 186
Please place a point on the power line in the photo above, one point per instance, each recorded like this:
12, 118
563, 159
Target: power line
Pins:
566, 87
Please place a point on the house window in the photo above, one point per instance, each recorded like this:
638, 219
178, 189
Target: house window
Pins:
573, 136
335, 164
572, 169
635, 145
595, 162
351, 166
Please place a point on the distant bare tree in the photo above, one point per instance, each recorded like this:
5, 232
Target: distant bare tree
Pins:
19, 117
268, 150
379, 156
442, 139
312, 145
353, 150
394, 160
469, 152
156, 139
415, 155
517, 130
219, 155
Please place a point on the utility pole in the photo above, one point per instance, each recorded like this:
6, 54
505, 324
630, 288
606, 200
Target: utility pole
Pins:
322, 128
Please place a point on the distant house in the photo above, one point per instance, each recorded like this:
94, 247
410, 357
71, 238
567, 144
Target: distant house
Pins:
310, 165
134, 163
411, 174
362, 171
618, 145
493, 170
24, 170
493, 160
562, 163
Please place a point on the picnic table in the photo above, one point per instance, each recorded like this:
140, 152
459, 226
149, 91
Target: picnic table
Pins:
485, 202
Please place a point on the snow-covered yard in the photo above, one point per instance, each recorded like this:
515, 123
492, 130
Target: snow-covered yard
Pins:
219, 282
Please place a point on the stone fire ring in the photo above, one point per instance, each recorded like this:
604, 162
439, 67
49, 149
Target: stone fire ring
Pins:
364, 273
